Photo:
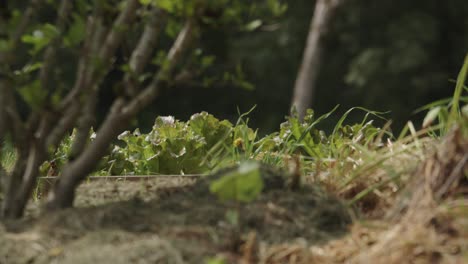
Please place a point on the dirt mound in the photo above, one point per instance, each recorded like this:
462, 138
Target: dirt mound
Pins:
181, 225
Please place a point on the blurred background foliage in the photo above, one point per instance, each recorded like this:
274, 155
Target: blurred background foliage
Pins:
386, 55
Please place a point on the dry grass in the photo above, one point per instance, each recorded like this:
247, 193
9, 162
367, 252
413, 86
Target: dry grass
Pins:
426, 221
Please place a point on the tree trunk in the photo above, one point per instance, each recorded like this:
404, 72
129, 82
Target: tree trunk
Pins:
116, 121
77, 170
304, 86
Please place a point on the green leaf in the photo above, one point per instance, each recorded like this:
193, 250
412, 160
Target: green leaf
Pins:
77, 31
462, 76
29, 68
431, 116
210, 128
146, 2
168, 5
33, 94
243, 184
41, 37
253, 25
276, 8
207, 61
4, 45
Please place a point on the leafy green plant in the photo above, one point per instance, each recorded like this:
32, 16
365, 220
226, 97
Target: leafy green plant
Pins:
204, 143
241, 185
171, 147
61, 155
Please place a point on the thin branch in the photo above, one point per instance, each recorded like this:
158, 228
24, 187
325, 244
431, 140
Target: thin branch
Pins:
94, 33
115, 36
88, 75
116, 121
84, 125
63, 125
3, 177
11, 118
184, 39
37, 155
75, 171
8, 57
31, 10
142, 53
94, 47
51, 51
3, 105
71, 104
175, 54
3, 129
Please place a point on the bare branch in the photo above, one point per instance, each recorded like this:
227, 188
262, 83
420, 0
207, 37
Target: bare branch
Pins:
182, 42
115, 36
9, 116
51, 51
84, 125
26, 19
21, 181
3, 128
37, 155
63, 125
142, 53
18, 129
94, 34
304, 86
71, 104
3, 177
94, 47
116, 121
77, 170
175, 54
3, 106
88, 75
7, 106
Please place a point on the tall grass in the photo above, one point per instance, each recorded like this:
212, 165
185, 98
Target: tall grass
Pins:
443, 114
384, 169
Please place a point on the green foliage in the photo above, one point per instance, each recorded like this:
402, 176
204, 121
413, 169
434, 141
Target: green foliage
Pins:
243, 184
40, 37
230, 15
215, 260
33, 94
61, 154
171, 147
307, 139
76, 32
204, 143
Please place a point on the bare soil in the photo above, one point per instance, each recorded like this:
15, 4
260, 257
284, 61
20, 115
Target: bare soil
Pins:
173, 220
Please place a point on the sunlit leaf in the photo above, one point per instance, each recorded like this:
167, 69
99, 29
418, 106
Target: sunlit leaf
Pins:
431, 116
253, 25
77, 31
243, 184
